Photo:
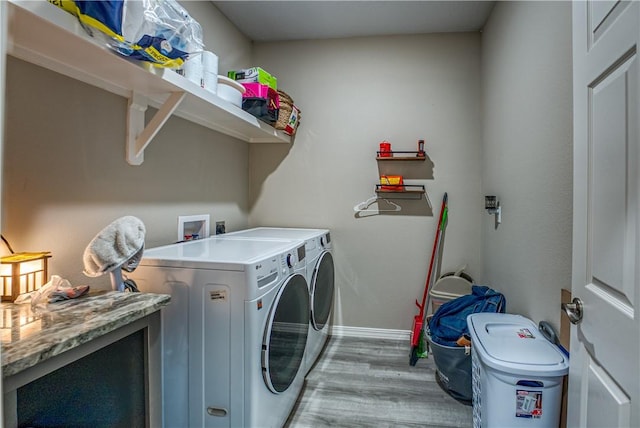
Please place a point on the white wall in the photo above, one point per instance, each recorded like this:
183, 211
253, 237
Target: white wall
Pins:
527, 154
354, 93
65, 174
220, 36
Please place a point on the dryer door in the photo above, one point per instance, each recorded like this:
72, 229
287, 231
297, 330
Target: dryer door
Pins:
322, 285
285, 336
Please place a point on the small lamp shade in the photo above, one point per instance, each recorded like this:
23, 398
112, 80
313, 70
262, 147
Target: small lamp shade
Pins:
22, 273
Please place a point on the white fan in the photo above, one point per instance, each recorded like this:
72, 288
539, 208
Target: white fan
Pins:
119, 246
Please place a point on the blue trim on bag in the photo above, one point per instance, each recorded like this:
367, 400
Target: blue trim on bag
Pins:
107, 12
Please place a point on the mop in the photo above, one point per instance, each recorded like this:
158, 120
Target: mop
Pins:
418, 346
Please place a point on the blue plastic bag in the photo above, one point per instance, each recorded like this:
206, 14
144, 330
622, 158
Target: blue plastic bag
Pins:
449, 323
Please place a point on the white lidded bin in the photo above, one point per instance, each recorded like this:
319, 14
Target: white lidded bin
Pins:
516, 373
447, 288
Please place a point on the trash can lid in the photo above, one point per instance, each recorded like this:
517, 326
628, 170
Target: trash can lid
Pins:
513, 344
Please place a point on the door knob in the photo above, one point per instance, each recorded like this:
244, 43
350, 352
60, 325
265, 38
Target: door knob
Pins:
573, 310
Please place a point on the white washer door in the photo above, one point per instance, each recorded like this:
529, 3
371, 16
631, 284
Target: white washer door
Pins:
322, 285
285, 335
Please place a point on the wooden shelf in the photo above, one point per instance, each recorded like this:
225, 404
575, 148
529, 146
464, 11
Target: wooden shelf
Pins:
404, 191
45, 35
405, 156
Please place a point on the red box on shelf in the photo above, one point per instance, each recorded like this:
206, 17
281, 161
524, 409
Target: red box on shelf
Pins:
294, 120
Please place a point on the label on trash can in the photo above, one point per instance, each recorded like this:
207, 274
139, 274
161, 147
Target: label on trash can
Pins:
528, 404
525, 333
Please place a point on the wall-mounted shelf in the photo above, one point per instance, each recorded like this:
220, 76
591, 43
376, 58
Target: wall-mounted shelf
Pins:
404, 156
403, 191
400, 191
45, 35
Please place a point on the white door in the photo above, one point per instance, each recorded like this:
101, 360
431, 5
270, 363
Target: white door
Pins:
3, 58
604, 378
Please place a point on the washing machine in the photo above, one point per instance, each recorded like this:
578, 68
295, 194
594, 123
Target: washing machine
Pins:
320, 277
235, 333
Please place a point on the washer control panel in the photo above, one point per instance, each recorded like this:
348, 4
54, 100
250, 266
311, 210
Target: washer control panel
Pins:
294, 259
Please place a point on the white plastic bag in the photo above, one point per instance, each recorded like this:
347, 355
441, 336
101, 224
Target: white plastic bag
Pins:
57, 289
160, 32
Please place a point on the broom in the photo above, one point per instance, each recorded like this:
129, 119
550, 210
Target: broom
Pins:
417, 332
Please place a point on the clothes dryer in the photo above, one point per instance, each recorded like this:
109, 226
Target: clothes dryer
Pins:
320, 278
235, 333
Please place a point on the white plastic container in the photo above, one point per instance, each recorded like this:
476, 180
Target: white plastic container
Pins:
230, 90
448, 288
516, 373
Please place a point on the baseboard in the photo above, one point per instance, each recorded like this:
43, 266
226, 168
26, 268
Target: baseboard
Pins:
372, 333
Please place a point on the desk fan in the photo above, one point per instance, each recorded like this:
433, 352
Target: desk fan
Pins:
118, 247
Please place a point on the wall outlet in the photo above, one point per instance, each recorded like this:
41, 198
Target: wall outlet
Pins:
220, 228
193, 227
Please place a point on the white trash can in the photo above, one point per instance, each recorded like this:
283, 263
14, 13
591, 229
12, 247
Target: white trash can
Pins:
448, 288
516, 373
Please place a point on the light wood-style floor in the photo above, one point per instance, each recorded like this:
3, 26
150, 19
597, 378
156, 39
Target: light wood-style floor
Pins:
369, 383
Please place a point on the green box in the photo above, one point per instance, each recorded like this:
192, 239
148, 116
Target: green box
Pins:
254, 74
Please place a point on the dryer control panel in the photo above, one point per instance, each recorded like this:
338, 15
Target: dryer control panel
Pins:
325, 240
273, 268
294, 260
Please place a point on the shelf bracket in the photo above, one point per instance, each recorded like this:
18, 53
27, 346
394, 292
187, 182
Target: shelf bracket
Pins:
139, 136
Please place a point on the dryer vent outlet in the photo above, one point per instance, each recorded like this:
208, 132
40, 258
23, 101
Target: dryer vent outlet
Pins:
220, 228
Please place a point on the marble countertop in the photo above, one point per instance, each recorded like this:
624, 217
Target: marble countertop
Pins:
29, 337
